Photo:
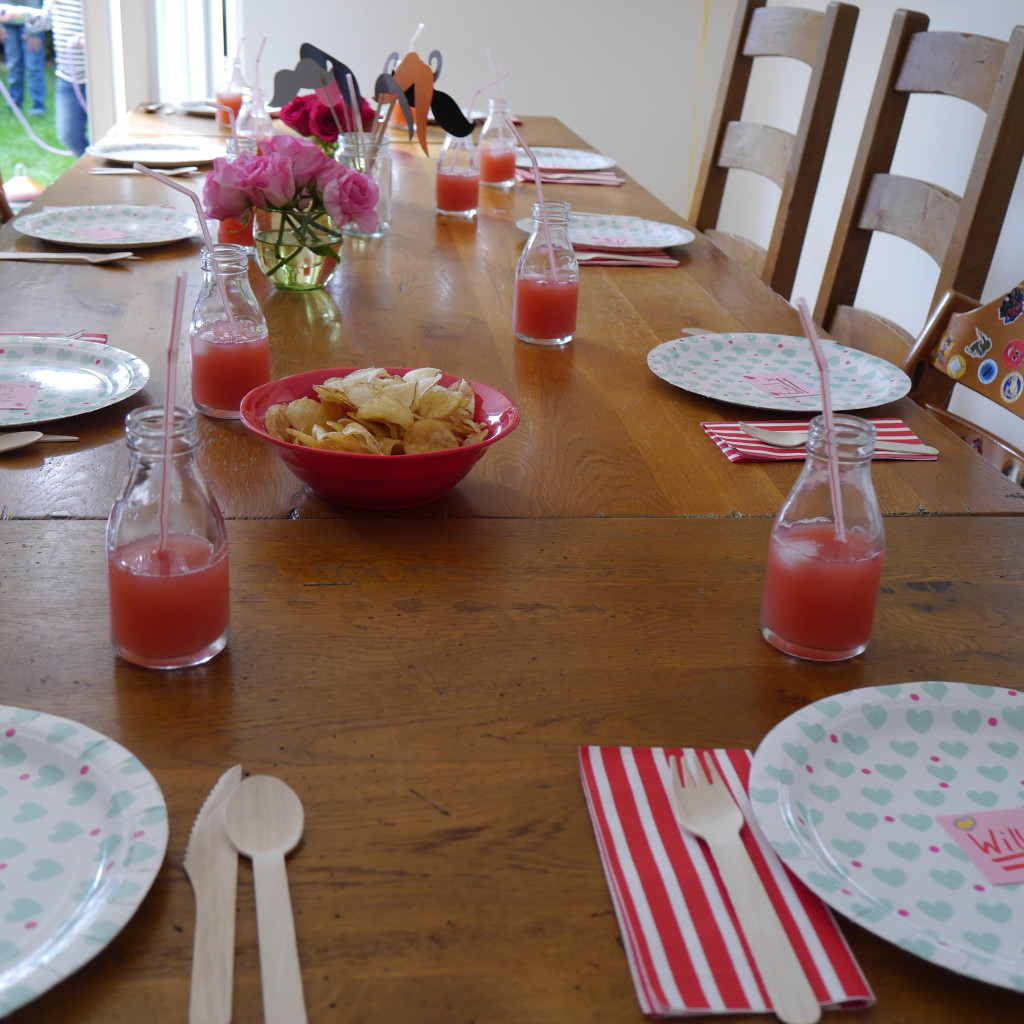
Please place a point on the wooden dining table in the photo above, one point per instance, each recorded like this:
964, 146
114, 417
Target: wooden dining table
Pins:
438, 292
424, 679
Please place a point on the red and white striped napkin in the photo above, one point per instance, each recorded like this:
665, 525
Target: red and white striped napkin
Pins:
739, 446
683, 943
100, 339
525, 174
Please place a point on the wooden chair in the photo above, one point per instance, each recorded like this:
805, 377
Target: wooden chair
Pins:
958, 233
793, 162
933, 388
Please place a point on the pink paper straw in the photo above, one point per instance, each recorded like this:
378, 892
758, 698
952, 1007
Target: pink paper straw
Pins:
472, 99
494, 67
540, 198
826, 408
169, 406
230, 112
415, 36
206, 236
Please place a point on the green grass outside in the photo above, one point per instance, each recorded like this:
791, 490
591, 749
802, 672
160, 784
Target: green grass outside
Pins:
18, 147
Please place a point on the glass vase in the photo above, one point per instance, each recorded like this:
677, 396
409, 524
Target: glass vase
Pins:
358, 150
298, 251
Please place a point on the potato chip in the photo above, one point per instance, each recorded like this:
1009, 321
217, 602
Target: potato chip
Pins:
371, 411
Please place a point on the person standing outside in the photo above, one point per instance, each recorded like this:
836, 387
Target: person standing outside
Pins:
26, 55
66, 19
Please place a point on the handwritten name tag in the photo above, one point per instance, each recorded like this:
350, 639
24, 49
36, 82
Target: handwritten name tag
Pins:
15, 395
994, 840
780, 386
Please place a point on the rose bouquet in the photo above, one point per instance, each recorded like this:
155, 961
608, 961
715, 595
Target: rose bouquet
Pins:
300, 198
310, 116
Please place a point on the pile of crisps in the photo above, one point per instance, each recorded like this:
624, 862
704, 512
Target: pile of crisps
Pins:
372, 412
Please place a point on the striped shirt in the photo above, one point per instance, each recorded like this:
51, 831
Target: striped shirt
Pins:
67, 22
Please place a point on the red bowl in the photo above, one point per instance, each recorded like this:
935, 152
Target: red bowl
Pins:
376, 481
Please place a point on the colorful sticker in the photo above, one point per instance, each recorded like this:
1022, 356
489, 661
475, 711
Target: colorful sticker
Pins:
943, 350
957, 366
994, 841
981, 346
988, 371
1011, 387
1012, 305
1013, 354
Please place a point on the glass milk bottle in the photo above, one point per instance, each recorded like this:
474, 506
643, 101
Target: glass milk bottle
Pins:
167, 570
547, 279
254, 120
231, 230
231, 91
498, 147
458, 177
358, 150
821, 583
230, 354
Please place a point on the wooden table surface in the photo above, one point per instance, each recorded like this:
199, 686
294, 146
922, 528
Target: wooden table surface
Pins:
601, 435
425, 691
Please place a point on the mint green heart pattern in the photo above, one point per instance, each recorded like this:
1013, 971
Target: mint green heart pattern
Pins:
70, 799
850, 788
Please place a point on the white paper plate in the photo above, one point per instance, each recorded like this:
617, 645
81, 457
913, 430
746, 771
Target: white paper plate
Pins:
721, 366
108, 227
847, 791
74, 377
154, 153
555, 158
611, 232
83, 832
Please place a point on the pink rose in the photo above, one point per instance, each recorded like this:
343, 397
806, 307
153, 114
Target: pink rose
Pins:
296, 113
271, 182
307, 159
351, 195
225, 194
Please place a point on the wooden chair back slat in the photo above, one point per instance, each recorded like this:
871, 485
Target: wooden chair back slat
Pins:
914, 210
821, 40
784, 32
759, 148
952, 64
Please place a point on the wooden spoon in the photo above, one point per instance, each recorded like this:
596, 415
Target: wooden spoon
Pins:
264, 820
20, 438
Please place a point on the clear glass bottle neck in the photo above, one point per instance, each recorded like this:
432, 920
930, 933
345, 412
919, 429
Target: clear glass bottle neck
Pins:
554, 211
225, 258
851, 438
144, 431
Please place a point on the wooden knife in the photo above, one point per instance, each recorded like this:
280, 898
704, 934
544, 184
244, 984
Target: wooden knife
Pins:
211, 863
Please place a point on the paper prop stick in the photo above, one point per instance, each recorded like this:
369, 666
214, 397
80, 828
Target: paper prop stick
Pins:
411, 84
315, 70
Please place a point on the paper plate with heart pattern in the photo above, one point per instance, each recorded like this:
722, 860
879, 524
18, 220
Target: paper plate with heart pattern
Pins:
776, 371
83, 832
852, 790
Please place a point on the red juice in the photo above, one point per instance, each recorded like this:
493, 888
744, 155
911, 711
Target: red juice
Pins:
458, 192
169, 609
497, 165
231, 232
819, 592
225, 370
228, 99
545, 310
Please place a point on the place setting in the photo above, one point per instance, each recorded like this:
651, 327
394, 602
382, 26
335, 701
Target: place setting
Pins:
108, 226
607, 239
557, 165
